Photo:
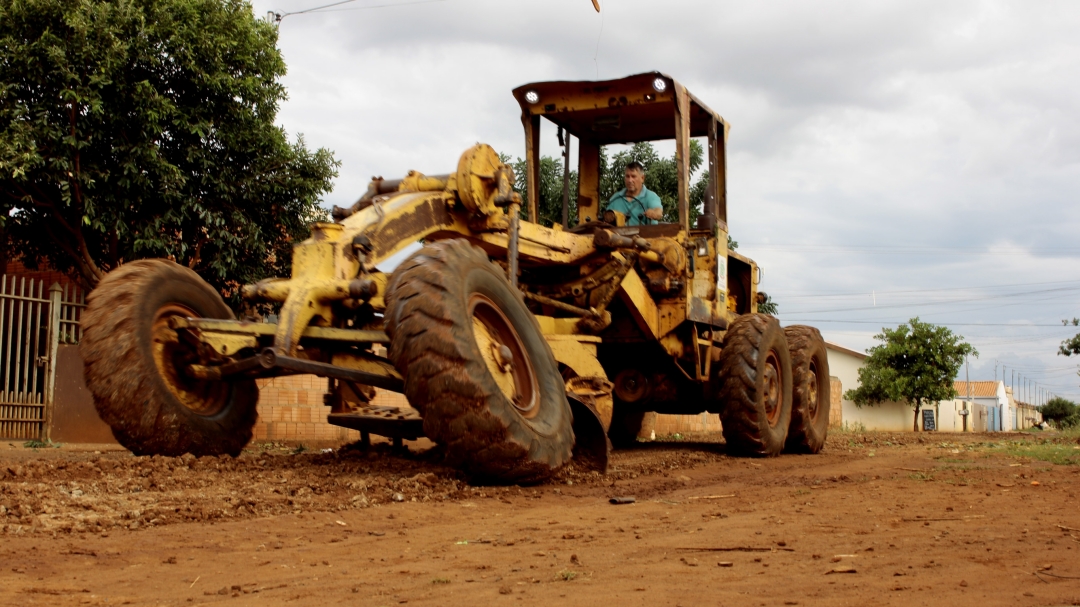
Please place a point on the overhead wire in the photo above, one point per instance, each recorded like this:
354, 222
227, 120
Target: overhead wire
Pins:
321, 9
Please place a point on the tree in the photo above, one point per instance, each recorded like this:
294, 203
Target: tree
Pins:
551, 179
915, 363
1072, 345
145, 128
1061, 412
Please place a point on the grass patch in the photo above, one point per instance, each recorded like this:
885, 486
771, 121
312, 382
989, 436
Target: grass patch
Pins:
440, 580
40, 444
566, 575
1059, 454
921, 476
850, 428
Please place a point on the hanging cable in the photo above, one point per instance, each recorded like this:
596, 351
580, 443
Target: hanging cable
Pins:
277, 17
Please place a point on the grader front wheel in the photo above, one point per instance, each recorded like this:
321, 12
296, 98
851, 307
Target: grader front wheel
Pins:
477, 366
135, 365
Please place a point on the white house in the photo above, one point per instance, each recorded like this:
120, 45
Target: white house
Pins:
844, 365
992, 408
992, 395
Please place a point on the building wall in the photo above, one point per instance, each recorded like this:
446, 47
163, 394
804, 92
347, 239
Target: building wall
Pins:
291, 409
16, 268
894, 417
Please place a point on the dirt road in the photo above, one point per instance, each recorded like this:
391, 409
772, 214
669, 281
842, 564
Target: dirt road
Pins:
876, 519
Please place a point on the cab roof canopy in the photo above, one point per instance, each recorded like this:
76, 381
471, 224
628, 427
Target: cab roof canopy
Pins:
627, 110
643, 107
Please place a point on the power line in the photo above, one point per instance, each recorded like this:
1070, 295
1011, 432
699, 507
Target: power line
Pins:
918, 291
277, 17
941, 324
908, 250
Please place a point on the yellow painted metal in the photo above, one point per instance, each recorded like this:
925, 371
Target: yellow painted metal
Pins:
311, 289
212, 326
228, 344
489, 347
366, 363
477, 179
580, 357
415, 181
540, 244
557, 328
641, 304
682, 152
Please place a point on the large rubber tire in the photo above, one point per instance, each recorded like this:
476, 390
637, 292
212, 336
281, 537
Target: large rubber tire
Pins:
755, 376
448, 310
811, 390
133, 365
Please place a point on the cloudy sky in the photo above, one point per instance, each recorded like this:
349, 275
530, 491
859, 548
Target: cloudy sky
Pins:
887, 159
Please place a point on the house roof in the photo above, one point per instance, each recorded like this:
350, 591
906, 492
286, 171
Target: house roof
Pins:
831, 346
978, 388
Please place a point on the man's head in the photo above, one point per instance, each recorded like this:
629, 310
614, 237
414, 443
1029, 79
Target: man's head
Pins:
634, 178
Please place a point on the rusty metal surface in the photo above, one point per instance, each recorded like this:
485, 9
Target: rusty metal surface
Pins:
624, 110
75, 419
393, 422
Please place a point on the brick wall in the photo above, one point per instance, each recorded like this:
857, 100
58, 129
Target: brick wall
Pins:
16, 268
836, 407
291, 409
684, 424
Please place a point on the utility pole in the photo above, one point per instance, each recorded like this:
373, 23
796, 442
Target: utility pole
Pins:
967, 380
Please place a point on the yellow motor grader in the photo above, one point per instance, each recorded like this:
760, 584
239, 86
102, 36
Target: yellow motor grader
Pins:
517, 345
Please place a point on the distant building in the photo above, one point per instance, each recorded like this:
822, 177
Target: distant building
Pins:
844, 365
1000, 412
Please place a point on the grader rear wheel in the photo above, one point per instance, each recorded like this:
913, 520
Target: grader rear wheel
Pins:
135, 365
811, 393
476, 365
755, 376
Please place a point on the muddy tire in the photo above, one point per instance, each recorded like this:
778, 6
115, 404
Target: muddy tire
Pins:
755, 378
133, 365
810, 392
477, 366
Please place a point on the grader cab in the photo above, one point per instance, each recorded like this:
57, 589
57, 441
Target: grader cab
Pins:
517, 345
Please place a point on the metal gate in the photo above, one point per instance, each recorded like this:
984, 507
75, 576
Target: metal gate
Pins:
34, 321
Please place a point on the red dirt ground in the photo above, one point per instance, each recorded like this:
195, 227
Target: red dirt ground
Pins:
876, 519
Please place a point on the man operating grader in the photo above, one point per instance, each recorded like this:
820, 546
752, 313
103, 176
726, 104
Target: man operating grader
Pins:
640, 205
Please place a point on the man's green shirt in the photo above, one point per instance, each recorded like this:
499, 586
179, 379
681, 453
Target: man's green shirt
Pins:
634, 207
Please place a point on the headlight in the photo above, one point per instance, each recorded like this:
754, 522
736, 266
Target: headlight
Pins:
660, 85
532, 96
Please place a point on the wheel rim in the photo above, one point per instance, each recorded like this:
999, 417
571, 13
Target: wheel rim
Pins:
812, 392
772, 391
504, 354
171, 356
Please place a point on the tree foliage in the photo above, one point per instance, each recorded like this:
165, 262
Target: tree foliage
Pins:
145, 128
1072, 345
915, 363
1060, 412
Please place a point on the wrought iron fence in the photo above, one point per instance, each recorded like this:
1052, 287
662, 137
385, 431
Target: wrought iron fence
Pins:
34, 321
